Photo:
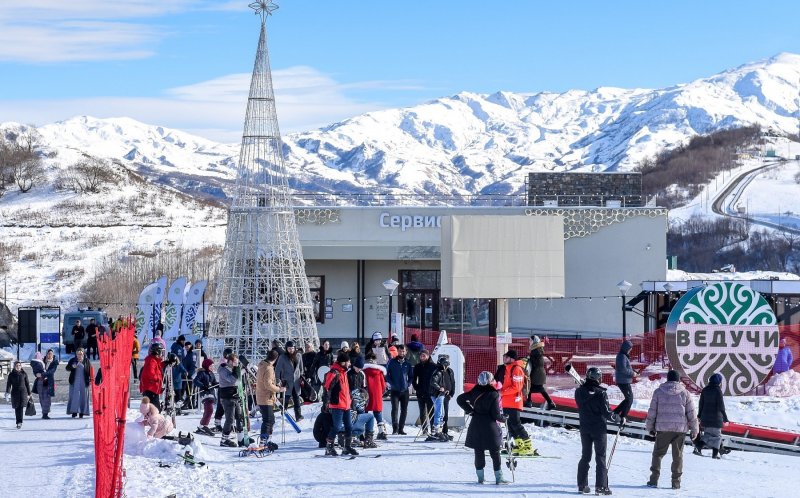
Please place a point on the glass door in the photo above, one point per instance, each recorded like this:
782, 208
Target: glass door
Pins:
421, 308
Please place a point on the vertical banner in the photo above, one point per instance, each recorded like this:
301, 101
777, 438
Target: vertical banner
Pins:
143, 312
191, 302
158, 303
174, 309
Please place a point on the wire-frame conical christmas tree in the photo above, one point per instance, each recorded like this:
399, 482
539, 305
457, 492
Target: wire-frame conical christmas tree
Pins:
262, 292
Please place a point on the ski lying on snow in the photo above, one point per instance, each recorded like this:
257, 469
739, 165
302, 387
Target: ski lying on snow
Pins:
346, 457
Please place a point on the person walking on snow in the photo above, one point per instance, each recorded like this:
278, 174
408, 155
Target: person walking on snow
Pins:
289, 371
376, 385
442, 387
537, 371
399, 378
205, 381
512, 402
423, 371
712, 415
783, 362
44, 369
266, 390
18, 391
623, 377
482, 403
593, 412
80, 376
670, 416
338, 401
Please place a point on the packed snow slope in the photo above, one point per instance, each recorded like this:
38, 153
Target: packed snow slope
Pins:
468, 143
56, 458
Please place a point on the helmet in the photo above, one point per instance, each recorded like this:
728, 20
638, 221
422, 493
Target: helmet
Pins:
485, 378
156, 349
594, 374
171, 358
443, 360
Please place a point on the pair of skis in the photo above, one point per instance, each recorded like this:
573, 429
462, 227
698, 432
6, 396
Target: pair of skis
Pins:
579, 381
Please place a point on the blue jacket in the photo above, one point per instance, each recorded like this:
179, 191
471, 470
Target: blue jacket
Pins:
177, 350
178, 374
783, 361
623, 373
189, 364
398, 374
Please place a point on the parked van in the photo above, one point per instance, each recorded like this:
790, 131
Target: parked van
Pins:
100, 317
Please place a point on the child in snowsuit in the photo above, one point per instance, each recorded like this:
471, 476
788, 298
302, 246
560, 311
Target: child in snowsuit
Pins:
159, 425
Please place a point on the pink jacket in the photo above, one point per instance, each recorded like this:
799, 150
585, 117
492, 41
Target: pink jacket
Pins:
159, 425
672, 410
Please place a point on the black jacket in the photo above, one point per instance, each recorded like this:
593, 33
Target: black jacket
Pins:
711, 411
421, 378
443, 378
356, 380
73, 364
593, 410
536, 367
322, 359
483, 403
19, 387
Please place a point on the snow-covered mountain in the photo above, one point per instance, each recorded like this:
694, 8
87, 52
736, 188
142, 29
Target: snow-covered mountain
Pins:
468, 143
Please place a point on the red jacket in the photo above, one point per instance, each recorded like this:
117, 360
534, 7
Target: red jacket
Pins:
376, 386
513, 381
344, 392
152, 378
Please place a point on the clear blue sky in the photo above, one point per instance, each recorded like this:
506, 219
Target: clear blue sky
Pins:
181, 63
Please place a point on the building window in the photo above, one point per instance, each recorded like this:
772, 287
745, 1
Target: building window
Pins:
316, 284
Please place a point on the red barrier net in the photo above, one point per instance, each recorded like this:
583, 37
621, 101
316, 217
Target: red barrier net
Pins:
480, 351
110, 405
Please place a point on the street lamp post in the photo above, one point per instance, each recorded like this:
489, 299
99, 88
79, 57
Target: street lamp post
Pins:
623, 289
390, 285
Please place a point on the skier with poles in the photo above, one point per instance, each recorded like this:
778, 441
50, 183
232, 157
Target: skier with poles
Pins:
593, 412
482, 403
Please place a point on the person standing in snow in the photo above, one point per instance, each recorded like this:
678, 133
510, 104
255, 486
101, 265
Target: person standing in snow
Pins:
135, 358
423, 371
381, 351
324, 358
159, 425
712, 415
230, 375
670, 416
337, 400
151, 381
593, 412
375, 376
784, 360
266, 390
512, 401
79, 370
623, 377
414, 348
537, 371
91, 340
205, 382
289, 371
442, 387
18, 391
78, 333
44, 385
399, 377
482, 403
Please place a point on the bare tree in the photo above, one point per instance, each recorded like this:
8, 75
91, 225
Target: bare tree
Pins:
91, 173
28, 171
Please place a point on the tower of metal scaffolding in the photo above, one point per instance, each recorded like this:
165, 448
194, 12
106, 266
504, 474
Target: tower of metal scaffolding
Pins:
262, 292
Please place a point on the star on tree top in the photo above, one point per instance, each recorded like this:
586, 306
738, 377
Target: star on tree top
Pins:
264, 8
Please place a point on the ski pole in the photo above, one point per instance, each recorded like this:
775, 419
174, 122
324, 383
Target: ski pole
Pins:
511, 462
427, 420
283, 419
614, 446
466, 424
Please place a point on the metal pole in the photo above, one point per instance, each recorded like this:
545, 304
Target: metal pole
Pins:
390, 316
624, 328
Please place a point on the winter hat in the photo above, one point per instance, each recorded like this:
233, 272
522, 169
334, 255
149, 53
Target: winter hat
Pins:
376, 336
485, 378
345, 344
414, 338
715, 379
511, 354
289, 344
207, 363
673, 376
358, 362
537, 343
342, 358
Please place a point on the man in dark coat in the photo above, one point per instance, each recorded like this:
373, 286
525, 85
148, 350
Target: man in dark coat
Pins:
18, 391
399, 377
421, 382
443, 385
712, 416
593, 412
78, 333
482, 403
289, 371
91, 340
623, 377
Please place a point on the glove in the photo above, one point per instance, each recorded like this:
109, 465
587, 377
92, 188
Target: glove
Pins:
653, 433
8, 397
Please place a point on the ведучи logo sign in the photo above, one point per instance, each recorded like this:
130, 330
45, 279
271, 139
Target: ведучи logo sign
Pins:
724, 328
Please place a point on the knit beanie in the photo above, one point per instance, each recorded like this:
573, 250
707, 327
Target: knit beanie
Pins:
673, 376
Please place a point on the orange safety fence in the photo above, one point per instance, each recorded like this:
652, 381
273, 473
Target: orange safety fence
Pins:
110, 394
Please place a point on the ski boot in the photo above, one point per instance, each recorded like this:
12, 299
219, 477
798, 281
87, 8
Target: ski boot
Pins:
382, 432
348, 450
524, 447
369, 440
203, 430
217, 425
340, 439
240, 439
329, 449
498, 478
436, 434
228, 441
481, 478
602, 491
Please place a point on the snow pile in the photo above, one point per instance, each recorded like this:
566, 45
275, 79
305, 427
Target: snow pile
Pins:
784, 384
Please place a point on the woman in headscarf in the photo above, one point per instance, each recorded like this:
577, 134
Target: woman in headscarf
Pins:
79, 370
18, 391
44, 385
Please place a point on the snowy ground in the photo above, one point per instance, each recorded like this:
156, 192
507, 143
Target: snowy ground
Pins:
55, 458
